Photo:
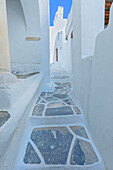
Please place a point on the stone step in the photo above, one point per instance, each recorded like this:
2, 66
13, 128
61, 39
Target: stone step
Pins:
56, 136
58, 147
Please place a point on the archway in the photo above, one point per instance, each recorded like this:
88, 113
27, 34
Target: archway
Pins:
24, 36
16, 30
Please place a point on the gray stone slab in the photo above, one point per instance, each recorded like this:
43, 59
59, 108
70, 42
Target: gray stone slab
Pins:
77, 110
43, 101
69, 101
26, 76
43, 94
69, 86
61, 96
53, 143
38, 110
49, 93
62, 91
62, 85
38, 100
31, 156
59, 88
58, 84
80, 131
60, 111
83, 153
50, 99
60, 77
55, 104
4, 116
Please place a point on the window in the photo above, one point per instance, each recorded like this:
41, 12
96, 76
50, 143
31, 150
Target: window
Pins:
108, 4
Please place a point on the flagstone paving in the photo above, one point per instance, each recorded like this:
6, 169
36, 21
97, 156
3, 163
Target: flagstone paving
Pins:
66, 110
56, 104
4, 116
31, 156
53, 143
83, 153
58, 146
38, 110
80, 131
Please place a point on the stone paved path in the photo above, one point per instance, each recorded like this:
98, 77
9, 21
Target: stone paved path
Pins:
57, 137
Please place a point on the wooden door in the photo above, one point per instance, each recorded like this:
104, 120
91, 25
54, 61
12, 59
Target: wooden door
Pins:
56, 54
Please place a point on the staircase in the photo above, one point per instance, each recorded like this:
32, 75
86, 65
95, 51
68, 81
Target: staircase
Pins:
56, 136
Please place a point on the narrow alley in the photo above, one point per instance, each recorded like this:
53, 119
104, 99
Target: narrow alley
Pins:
56, 136
56, 85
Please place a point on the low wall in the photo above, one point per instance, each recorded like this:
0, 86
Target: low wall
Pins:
28, 89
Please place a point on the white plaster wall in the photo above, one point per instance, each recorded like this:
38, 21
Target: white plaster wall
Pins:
24, 21
59, 25
93, 83
69, 43
44, 20
101, 97
92, 22
52, 39
76, 53
68, 54
4, 42
81, 68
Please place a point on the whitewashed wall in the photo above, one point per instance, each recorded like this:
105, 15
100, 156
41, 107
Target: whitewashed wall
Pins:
93, 80
92, 22
24, 21
69, 44
44, 20
101, 97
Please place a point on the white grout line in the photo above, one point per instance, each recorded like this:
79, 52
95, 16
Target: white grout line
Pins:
79, 137
43, 115
74, 110
70, 150
38, 152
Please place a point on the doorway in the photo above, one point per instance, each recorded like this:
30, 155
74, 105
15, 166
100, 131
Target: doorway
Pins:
57, 54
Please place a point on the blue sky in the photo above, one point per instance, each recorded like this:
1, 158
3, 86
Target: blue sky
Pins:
54, 6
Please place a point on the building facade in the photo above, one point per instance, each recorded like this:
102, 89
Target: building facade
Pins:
59, 25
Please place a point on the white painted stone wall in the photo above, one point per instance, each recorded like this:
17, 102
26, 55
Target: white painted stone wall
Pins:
44, 20
23, 22
4, 43
79, 25
101, 97
92, 22
59, 25
92, 76
69, 44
